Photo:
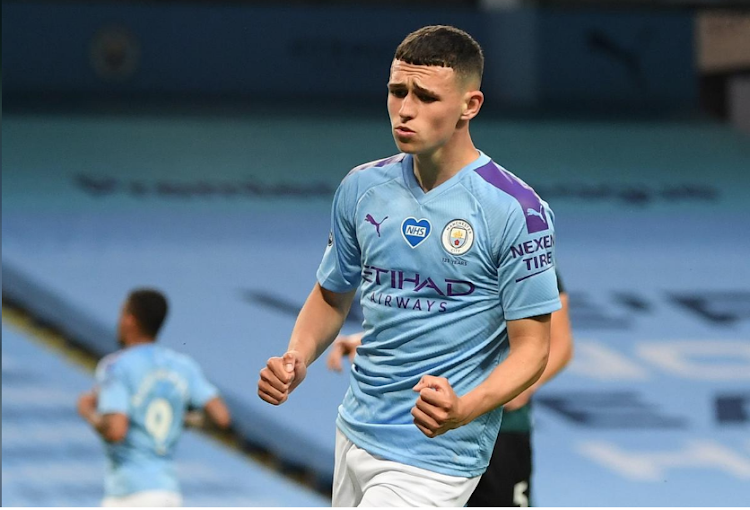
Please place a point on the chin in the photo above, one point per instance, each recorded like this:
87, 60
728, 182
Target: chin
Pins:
406, 148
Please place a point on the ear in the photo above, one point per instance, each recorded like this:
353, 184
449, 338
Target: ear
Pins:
472, 103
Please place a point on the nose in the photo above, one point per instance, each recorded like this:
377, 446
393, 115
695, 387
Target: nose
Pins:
408, 108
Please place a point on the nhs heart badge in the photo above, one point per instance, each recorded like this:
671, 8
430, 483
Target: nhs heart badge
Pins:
415, 232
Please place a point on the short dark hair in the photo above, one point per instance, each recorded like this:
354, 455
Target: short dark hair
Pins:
149, 307
444, 46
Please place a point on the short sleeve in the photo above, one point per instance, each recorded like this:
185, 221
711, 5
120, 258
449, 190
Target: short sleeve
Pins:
113, 394
526, 275
201, 390
340, 270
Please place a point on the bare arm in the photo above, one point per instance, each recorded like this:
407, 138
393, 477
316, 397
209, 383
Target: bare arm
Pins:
112, 427
439, 409
529, 349
560, 352
317, 325
217, 410
319, 321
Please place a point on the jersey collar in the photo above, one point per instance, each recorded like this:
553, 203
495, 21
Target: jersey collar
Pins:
407, 166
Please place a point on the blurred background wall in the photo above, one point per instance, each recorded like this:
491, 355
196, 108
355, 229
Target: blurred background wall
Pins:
537, 57
195, 146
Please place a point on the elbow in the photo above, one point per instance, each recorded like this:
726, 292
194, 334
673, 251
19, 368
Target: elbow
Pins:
542, 364
114, 434
115, 428
224, 422
537, 365
219, 413
114, 437
544, 354
567, 355
222, 419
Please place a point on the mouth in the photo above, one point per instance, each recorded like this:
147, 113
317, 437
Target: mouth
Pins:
403, 131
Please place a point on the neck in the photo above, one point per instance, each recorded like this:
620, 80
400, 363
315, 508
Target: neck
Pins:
138, 340
434, 168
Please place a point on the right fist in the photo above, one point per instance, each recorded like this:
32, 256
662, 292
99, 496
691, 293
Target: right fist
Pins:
280, 376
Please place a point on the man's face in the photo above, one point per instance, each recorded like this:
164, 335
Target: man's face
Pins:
425, 104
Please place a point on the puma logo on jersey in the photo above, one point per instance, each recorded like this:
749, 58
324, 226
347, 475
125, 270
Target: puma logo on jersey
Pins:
539, 213
370, 219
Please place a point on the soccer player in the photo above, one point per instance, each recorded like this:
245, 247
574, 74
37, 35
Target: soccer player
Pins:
507, 481
455, 257
138, 405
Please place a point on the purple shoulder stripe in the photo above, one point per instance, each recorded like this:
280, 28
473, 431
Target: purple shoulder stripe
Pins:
531, 204
379, 163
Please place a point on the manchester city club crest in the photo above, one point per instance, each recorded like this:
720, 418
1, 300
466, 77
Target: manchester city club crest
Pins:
458, 237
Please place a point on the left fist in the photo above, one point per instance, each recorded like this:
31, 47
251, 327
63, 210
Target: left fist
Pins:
86, 403
438, 408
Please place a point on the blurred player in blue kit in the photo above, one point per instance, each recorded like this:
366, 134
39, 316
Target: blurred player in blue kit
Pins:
139, 404
454, 256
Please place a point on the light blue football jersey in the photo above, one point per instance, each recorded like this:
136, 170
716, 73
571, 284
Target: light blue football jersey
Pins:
153, 385
440, 273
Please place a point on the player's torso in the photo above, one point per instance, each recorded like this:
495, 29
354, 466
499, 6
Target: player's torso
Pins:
432, 265
429, 275
159, 390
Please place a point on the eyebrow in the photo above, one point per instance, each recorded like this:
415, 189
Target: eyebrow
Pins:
417, 87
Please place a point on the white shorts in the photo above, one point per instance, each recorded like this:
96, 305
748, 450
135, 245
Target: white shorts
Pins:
145, 498
361, 479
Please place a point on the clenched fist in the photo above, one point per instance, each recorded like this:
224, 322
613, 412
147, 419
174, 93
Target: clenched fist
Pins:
438, 408
280, 376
